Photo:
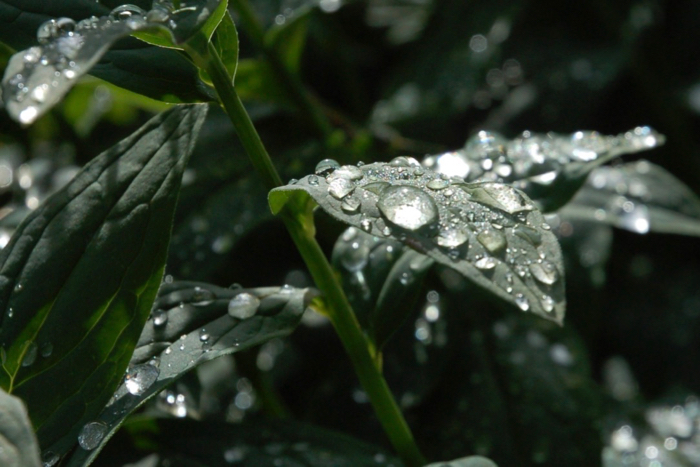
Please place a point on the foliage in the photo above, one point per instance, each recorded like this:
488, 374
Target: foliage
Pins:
500, 299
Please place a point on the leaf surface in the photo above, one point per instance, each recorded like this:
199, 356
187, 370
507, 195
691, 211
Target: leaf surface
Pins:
489, 232
80, 274
18, 445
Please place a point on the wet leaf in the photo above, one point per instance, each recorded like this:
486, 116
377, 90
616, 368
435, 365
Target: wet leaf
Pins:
471, 461
193, 323
257, 442
18, 445
640, 197
550, 168
62, 328
131, 63
37, 78
490, 232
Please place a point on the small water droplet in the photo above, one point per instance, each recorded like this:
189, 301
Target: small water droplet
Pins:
326, 166
202, 296
10, 312
203, 335
18, 288
127, 12
140, 377
493, 240
547, 303
46, 349
545, 272
339, 188
243, 306
49, 459
160, 318
437, 184
91, 435
54, 28
486, 263
30, 354
350, 204
408, 207
366, 225
522, 302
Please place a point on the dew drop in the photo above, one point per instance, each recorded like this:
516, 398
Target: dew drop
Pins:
366, 225
408, 207
437, 184
91, 435
499, 196
10, 312
452, 237
354, 257
326, 166
126, 12
545, 272
203, 335
522, 302
202, 296
486, 263
493, 240
313, 180
350, 204
243, 306
49, 459
339, 188
160, 318
46, 349
528, 234
547, 303
140, 377
349, 172
30, 354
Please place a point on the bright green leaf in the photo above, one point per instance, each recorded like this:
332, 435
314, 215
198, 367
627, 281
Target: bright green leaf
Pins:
225, 41
61, 326
18, 445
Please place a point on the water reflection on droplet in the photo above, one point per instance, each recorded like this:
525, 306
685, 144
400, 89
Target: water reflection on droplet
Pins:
202, 296
243, 306
140, 377
408, 207
522, 302
30, 354
91, 435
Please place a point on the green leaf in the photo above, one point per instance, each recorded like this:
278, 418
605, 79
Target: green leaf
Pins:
80, 274
254, 442
382, 277
640, 197
193, 323
225, 41
132, 64
37, 78
18, 445
471, 461
550, 168
491, 233
288, 39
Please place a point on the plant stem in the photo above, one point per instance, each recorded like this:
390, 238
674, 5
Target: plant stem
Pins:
339, 310
288, 80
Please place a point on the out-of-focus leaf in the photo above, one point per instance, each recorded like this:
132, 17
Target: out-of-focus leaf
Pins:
256, 81
288, 40
61, 327
132, 64
37, 78
640, 196
193, 323
258, 442
18, 445
550, 168
471, 461
491, 233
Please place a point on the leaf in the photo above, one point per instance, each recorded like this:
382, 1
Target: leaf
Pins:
255, 441
225, 41
193, 323
489, 232
549, 168
382, 277
256, 81
37, 78
132, 64
471, 461
18, 445
640, 197
288, 39
80, 274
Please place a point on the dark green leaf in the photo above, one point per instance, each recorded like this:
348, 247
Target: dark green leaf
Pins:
255, 442
288, 39
549, 168
18, 445
490, 232
37, 78
256, 81
225, 41
640, 197
471, 461
132, 64
80, 274
193, 323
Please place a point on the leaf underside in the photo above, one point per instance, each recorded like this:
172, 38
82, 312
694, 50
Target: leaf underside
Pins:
18, 445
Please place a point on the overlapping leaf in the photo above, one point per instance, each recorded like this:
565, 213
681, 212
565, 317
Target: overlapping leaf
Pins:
37, 78
61, 326
18, 445
491, 233
550, 168
193, 323
641, 197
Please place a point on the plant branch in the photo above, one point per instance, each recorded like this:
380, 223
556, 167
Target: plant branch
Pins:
300, 226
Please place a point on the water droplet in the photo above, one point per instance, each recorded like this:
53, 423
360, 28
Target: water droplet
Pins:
313, 180
493, 240
366, 224
28, 115
10, 312
486, 263
18, 288
437, 184
522, 302
203, 335
528, 234
545, 272
54, 28
91, 435
408, 207
46, 349
243, 306
339, 188
547, 303
30, 354
350, 204
355, 256
326, 166
140, 377
453, 237
202, 296
32, 55
349, 172
499, 196
126, 12
49, 459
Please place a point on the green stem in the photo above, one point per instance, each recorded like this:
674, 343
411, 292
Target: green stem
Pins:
288, 80
300, 227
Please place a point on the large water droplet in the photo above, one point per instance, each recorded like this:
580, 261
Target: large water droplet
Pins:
127, 12
354, 256
243, 306
349, 172
545, 272
522, 302
326, 166
202, 296
452, 237
49, 459
528, 234
408, 207
437, 184
339, 188
493, 240
140, 377
499, 196
486, 263
350, 204
91, 435
53, 29
30, 354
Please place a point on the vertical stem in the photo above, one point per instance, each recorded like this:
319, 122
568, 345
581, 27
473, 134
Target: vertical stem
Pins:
340, 312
